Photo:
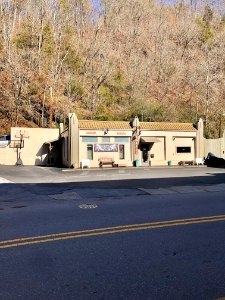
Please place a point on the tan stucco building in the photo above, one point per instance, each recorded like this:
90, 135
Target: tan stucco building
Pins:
87, 143
31, 145
145, 143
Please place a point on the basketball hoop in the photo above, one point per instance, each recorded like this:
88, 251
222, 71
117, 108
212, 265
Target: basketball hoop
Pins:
16, 144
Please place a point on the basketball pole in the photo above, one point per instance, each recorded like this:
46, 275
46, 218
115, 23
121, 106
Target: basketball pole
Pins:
19, 161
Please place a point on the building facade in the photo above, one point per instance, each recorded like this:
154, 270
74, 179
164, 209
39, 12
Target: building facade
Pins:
87, 143
145, 143
32, 146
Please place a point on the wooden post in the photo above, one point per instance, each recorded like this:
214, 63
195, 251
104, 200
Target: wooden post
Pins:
42, 111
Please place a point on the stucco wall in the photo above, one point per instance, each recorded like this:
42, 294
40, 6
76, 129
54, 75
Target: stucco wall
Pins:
215, 146
183, 142
156, 153
166, 149
65, 148
7, 156
96, 155
160, 152
163, 151
35, 152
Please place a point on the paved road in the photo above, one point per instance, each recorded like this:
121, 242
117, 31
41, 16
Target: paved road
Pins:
154, 233
167, 175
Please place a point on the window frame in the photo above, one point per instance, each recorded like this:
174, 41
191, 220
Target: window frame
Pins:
92, 152
106, 139
121, 139
89, 139
122, 146
183, 147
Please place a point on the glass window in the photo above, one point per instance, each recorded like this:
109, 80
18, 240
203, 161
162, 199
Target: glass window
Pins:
105, 139
121, 151
183, 149
90, 152
122, 139
89, 139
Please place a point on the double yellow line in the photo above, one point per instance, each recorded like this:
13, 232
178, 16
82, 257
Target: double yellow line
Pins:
107, 230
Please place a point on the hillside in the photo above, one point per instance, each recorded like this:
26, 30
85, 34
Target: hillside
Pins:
136, 57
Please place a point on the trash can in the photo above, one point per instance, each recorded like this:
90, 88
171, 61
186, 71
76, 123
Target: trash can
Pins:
137, 163
169, 162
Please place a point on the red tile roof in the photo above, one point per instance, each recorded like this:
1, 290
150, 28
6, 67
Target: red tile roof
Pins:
121, 125
167, 126
88, 124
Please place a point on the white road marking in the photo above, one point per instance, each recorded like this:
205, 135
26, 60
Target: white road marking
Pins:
3, 180
85, 206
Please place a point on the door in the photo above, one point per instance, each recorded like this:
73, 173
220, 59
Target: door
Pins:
145, 153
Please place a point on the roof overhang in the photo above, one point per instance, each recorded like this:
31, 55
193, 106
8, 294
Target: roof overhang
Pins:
52, 141
149, 139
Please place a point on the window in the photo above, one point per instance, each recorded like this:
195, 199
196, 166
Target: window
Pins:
183, 149
105, 139
89, 139
90, 152
121, 139
121, 151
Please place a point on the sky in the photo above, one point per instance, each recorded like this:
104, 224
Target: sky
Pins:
96, 3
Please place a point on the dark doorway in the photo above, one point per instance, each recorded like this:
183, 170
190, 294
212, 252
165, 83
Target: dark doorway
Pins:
145, 149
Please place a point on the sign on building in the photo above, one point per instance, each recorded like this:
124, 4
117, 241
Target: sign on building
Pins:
106, 148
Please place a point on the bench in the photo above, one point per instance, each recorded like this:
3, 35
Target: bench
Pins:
186, 162
106, 161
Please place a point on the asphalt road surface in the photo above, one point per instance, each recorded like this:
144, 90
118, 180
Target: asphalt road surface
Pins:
136, 233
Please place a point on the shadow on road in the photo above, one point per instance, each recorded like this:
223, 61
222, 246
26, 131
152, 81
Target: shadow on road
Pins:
212, 178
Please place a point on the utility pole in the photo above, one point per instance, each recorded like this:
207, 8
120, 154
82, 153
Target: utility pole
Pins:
50, 108
42, 111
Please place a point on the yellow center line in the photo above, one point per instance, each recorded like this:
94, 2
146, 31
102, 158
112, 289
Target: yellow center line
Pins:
107, 230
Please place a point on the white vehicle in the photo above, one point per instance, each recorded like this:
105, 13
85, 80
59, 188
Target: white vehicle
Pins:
4, 140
